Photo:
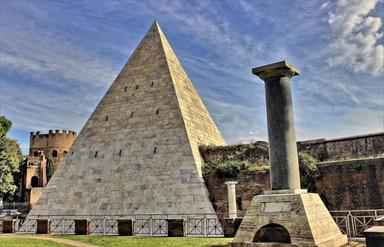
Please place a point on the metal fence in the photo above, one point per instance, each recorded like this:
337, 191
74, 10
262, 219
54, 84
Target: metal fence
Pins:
351, 222
354, 222
143, 225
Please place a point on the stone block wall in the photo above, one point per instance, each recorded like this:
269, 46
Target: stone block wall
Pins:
371, 145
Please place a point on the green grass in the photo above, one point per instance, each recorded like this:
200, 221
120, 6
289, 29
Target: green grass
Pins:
18, 242
116, 241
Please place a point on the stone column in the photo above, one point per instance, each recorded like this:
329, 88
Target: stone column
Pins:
281, 127
231, 186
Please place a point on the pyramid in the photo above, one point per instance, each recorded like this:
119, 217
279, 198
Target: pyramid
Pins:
138, 152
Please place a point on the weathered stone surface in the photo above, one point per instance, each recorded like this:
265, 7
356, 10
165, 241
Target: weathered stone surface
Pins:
138, 152
303, 215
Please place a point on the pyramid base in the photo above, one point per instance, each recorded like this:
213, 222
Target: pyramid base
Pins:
288, 218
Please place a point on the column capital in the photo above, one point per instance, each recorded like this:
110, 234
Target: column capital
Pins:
231, 182
279, 69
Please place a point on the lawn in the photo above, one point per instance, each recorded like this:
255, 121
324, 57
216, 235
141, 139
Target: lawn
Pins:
18, 242
149, 242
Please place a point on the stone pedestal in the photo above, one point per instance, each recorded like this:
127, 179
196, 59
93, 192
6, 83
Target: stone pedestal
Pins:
175, 228
125, 227
82, 227
293, 218
379, 221
374, 236
9, 226
43, 226
286, 215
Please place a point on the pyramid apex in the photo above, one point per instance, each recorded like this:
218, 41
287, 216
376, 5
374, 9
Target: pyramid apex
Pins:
155, 25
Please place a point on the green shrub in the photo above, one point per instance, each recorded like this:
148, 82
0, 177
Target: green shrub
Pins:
309, 172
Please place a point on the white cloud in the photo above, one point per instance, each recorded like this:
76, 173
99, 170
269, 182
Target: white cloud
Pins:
356, 36
324, 5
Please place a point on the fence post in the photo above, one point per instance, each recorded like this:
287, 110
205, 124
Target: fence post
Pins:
104, 226
151, 225
205, 226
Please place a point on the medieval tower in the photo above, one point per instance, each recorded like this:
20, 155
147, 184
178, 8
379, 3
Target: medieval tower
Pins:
56, 144
138, 153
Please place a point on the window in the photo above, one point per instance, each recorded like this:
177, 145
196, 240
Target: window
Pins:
152, 84
54, 153
125, 89
120, 152
96, 153
157, 112
155, 150
137, 87
132, 115
106, 118
36, 153
34, 181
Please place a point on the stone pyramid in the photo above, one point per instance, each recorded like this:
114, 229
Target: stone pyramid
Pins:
138, 152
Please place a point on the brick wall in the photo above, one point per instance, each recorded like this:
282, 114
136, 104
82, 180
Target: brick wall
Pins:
250, 183
54, 140
352, 184
352, 172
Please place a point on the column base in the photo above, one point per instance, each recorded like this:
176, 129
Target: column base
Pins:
290, 219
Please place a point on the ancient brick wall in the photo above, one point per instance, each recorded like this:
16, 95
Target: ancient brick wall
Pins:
352, 184
250, 183
59, 141
352, 172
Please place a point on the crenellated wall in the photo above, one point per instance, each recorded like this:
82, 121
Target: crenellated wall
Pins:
59, 141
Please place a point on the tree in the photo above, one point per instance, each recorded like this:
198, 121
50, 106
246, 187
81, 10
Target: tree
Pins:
10, 159
50, 167
308, 171
5, 126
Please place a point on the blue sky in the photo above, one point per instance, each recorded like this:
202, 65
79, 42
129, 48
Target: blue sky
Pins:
59, 57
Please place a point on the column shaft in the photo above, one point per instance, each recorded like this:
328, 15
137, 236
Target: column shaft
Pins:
281, 134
